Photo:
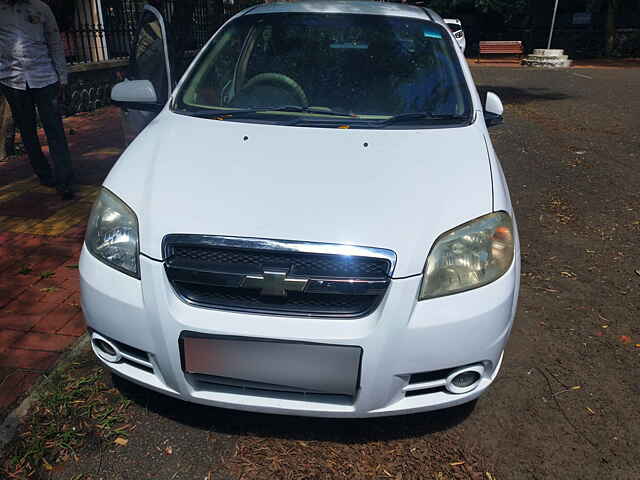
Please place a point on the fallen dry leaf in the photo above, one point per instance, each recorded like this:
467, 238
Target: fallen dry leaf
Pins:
121, 441
455, 464
591, 412
576, 387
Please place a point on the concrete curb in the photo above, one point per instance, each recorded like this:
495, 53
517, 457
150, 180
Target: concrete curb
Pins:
12, 421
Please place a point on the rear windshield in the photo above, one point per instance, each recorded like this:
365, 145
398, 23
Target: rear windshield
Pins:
363, 67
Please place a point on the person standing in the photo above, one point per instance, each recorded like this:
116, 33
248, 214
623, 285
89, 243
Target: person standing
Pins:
33, 72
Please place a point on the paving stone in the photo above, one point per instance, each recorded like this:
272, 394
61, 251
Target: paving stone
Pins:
56, 319
75, 327
46, 259
68, 271
28, 242
18, 321
48, 342
28, 359
8, 338
37, 301
6, 237
74, 300
32, 205
7, 294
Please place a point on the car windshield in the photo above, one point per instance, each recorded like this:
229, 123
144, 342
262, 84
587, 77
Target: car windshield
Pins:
334, 68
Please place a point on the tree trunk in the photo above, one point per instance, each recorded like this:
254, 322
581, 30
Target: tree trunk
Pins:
6, 129
612, 10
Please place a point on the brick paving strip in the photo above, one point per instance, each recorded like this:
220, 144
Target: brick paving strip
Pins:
40, 241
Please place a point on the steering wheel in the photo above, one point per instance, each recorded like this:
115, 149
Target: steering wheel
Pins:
278, 80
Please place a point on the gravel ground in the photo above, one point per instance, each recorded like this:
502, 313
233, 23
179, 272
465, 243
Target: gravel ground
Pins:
565, 404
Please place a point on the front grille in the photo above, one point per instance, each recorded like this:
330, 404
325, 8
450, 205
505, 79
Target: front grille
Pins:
208, 271
299, 263
209, 383
432, 376
297, 303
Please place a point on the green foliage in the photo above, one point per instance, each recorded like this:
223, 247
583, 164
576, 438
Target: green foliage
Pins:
77, 409
505, 8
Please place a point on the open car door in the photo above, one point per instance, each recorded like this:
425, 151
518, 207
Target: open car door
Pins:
149, 60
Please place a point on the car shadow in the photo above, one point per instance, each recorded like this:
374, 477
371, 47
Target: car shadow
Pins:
521, 96
347, 431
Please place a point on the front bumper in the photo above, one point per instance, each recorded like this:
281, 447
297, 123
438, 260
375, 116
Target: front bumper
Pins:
400, 338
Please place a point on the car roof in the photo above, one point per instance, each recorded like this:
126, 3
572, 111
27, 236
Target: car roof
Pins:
343, 6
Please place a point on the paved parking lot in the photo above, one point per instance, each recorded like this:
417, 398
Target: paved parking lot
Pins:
565, 404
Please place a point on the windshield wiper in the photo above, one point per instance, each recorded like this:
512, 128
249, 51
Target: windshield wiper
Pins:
327, 111
408, 117
241, 112
222, 114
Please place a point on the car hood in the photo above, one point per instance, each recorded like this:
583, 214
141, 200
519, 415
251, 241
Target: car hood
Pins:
394, 189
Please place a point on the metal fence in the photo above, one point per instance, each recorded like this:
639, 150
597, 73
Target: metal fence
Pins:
100, 30
95, 30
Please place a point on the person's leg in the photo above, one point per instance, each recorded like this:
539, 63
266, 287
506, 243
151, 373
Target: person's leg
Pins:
46, 99
24, 115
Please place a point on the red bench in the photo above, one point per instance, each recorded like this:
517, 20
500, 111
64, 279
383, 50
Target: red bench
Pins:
501, 48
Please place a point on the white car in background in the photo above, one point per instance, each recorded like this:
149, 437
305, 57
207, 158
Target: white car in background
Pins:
455, 26
292, 233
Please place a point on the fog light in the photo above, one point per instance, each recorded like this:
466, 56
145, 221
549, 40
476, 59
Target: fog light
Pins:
105, 349
108, 349
465, 379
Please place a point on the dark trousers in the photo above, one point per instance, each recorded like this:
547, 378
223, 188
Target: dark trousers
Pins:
23, 105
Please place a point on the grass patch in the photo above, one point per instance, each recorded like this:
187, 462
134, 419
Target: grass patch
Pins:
76, 410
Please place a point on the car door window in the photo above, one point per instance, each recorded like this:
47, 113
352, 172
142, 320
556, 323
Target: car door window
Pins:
215, 81
148, 60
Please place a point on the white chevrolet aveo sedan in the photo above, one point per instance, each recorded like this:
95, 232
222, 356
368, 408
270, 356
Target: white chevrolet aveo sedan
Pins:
314, 222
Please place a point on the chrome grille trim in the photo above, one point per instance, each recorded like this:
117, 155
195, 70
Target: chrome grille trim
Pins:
250, 275
278, 246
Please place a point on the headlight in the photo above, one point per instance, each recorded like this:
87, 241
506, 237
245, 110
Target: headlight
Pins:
469, 256
112, 234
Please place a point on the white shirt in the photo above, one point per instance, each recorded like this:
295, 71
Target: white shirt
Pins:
31, 50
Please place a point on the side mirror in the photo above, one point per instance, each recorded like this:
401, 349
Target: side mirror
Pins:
136, 95
493, 110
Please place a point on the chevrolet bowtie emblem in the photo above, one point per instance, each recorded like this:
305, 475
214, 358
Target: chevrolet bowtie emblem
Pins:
275, 282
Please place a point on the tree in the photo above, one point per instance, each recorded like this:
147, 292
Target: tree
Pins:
505, 8
610, 29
